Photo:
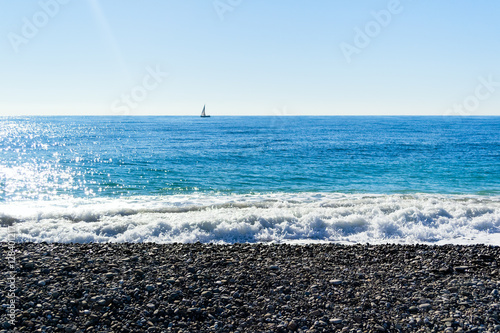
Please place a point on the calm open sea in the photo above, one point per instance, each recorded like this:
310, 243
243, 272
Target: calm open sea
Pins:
251, 179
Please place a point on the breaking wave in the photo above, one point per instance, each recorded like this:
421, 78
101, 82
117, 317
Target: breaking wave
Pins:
275, 217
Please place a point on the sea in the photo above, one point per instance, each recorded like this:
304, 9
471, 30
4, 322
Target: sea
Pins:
279, 179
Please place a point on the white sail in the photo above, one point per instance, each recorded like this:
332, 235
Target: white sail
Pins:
203, 113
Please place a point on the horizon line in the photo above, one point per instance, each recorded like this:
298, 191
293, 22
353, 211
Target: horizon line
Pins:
232, 115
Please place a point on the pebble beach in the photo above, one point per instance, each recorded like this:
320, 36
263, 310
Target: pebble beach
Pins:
148, 287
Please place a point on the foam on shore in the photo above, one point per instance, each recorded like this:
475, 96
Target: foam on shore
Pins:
275, 217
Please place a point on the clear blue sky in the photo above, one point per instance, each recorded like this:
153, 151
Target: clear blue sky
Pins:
249, 57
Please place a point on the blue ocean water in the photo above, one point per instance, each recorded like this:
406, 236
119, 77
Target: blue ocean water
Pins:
114, 170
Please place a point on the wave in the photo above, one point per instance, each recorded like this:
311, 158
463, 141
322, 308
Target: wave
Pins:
274, 217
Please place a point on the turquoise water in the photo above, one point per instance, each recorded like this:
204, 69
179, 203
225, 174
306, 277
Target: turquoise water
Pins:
96, 168
101, 156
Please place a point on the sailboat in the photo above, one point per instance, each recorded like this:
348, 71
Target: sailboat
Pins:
203, 115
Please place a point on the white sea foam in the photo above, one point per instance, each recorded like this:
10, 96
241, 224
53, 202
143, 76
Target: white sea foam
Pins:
278, 217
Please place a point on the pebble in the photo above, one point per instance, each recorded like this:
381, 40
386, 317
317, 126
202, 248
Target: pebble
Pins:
292, 326
255, 287
461, 268
425, 306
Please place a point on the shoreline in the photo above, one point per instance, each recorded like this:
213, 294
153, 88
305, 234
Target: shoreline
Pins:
273, 217
137, 287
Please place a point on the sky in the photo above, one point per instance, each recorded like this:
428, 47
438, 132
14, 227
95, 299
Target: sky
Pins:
249, 57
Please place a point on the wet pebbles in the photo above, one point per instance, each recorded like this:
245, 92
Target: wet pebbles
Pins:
254, 288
